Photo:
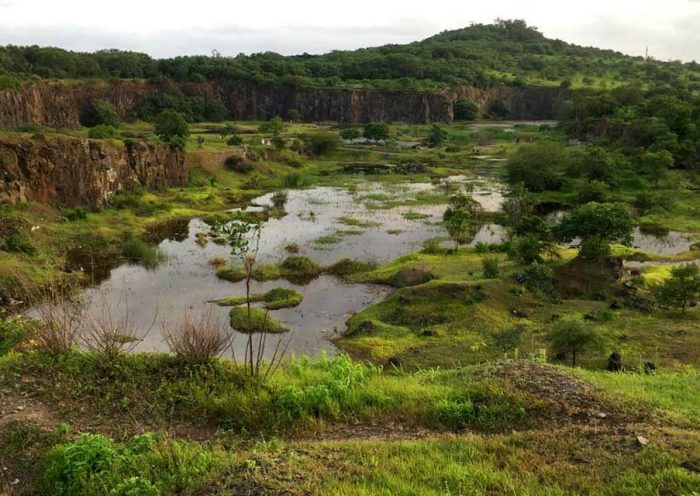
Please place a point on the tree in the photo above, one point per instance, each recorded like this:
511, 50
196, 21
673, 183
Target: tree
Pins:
655, 165
537, 167
466, 110
572, 335
293, 115
597, 225
681, 289
376, 131
171, 125
437, 136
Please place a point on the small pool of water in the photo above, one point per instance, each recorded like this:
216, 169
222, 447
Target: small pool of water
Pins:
365, 223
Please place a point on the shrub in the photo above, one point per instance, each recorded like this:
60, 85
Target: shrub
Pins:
322, 143
466, 109
273, 126
18, 242
295, 180
148, 465
103, 132
101, 114
455, 414
490, 267
376, 131
350, 133
198, 338
537, 166
296, 265
540, 279
234, 140
74, 214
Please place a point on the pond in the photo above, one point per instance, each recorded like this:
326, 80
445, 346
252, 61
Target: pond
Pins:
370, 222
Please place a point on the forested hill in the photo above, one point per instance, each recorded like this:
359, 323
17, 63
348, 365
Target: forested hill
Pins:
481, 55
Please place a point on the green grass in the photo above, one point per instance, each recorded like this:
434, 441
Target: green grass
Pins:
669, 391
272, 300
257, 322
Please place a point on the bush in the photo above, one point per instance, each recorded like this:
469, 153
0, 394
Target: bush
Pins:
101, 114
273, 126
18, 242
490, 267
238, 163
103, 132
466, 110
537, 167
323, 143
148, 465
376, 131
234, 140
540, 279
455, 414
350, 133
74, 214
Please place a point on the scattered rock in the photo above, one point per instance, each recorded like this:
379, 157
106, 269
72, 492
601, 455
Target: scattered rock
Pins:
518, 312
615, 305
394, 361
649, 367
642, 440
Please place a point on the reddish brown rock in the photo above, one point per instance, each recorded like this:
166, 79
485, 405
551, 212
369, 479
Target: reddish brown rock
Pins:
80, 172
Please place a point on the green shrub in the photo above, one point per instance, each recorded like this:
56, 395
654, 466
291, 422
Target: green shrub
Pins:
350, 133
78, 213
322, 143
347, 266
300, 265
103, 132
148, 465
376, 131
455, 414
18, 242
234, 140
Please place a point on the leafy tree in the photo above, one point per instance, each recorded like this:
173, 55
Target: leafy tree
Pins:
437, 136
293, 115
466, 110
376, 131
540, 279
593, 191
509, 338
681, 289
597, 225
655, 165
234, 140
537, 167
171, 125
572, 335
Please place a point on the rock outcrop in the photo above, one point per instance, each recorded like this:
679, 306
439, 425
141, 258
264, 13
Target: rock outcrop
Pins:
79, 172
61, 105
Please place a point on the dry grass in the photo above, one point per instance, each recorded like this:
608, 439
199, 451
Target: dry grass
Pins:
198, 338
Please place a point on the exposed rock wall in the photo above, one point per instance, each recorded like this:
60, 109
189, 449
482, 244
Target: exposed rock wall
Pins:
80, 172
60, 105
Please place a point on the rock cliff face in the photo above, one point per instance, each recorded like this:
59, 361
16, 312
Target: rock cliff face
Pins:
80, 172
60, 105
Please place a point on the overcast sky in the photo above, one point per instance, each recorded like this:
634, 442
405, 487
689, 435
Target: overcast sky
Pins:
163, 28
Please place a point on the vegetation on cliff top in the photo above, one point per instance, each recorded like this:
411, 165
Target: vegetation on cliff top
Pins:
481, 55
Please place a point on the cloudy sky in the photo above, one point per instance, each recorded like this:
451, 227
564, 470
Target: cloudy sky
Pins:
170, 27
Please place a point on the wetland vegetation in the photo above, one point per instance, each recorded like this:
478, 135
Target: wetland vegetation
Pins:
486, 307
